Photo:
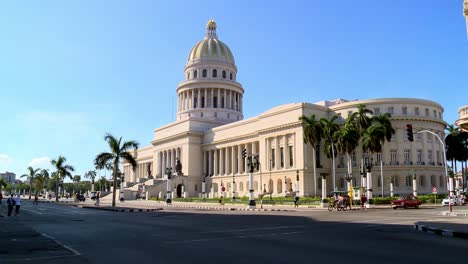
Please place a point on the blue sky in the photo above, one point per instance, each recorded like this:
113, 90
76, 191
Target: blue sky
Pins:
70, 71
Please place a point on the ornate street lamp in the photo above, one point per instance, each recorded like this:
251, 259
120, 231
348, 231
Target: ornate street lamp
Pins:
368, 162
203, 187
168, 185
297, 182
122, 182
233, 187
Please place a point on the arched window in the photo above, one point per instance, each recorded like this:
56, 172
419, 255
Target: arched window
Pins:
204, 73
195, 74
188, 75
230, 75
215, 73
224, 74
279, 186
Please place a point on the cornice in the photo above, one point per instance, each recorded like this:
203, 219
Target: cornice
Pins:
179, 135
419, 118
377, 101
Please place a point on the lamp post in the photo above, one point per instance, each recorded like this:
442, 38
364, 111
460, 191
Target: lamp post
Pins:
252, 161
233, 187
270, 185
122, 182
415, 190
368, 160
297, 182
285, 187
168, 185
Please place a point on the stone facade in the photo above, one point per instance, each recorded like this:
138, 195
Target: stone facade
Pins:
210, 134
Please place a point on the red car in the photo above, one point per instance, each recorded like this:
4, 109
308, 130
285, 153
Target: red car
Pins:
406, 201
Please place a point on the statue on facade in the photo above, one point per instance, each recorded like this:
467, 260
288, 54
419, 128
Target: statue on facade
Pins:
148, 170
178, 166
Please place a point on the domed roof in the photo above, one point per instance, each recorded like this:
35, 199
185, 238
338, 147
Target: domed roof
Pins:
211, 48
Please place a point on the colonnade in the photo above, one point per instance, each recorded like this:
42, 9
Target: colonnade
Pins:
280, 152
167, 159
227, 160
205, 98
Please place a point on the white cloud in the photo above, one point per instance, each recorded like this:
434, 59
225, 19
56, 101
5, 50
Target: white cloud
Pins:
40, 162
5, 159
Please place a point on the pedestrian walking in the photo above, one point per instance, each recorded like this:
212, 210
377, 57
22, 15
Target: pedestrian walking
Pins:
10, 202
17, 204
36, 199
363, 201
296, 201
97, 198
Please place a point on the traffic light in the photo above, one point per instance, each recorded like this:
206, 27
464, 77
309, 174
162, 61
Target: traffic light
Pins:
409, 130
244, 153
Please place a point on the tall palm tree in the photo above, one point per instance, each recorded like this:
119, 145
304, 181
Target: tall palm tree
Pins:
31, 176
312, 135
347, 141
383, 120
62, 170
118, 151
362, 118
76, 181
91, 175
45, 177
329, 129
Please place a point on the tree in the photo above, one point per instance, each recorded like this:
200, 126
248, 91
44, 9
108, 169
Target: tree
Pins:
118, 151
33, 173
347, 141
91, 175
312, 135
329, 129
62, 170
362, 118
3, 184
76, 180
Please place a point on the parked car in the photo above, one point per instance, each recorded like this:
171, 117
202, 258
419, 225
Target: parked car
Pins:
93, 196
406, 201
80, 198
452, 200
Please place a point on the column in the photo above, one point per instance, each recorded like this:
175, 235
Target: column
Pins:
204, 163
277, 154
210, 162
225, 98
226, 161
205, 95
240, 103
221, 161
215, 163
239, 160
192, 99
233, 159
198, 98
219, 98
286, 152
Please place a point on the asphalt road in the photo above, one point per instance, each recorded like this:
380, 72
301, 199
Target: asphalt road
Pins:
57, 233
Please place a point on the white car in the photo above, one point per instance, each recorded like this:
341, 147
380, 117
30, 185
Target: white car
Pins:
452, 200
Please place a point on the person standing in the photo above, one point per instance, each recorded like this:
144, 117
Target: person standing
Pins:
1, 197
17, 204
363, 201
296, 201
10, 202
97, 198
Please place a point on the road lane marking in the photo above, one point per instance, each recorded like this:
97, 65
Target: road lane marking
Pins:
250, 229
229, 238
61, 244
32, 211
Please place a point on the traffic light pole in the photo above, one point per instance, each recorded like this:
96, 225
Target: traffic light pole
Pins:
448, 182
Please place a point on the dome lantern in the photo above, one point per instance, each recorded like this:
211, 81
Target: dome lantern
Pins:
211, 29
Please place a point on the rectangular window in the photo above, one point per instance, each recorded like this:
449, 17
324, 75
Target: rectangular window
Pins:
408, 180
427, 111
416, 111
379, 158
291, 156
215, 102
422, 181
440, 115
435, 114
353, 160
393, 157
429, 155
317, 156
419, 156
407, 156
341, 161
390, 110
376, 111
282, 157
404, 110
222, 102
441, 181
433, 180
273, 158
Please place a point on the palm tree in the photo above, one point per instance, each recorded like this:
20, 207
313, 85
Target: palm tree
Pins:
91, 175
118, 151
62, 170
347, 141
33, 173
329, 129
45, 177
76, 181
383, 120
313, 136
362, 118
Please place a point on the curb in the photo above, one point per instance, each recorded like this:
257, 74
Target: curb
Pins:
225, 208
440, 232
454, 214
55, 201
127, 210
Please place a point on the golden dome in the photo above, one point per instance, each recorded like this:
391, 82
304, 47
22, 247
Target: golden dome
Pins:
211, 48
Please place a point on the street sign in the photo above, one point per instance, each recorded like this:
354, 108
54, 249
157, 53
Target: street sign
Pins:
434, 190
223, 189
